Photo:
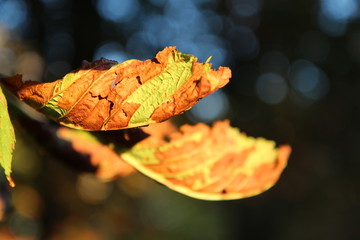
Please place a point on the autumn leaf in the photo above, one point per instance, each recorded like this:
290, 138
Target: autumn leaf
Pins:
217, 163
7, 138
108, 163
104, 95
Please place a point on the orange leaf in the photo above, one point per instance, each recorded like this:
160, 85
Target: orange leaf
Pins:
217, 163
109, 164
104, 95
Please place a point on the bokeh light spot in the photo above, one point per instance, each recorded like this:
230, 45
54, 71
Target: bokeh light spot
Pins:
26, 163
331, 26
245, 8
181, 11
31, 65
210, 108
118, 11
206, 46
7, 58
308, 80
271, 88
139, 45
24, 226
214, 21
4, 35
341, 10
150, 26
13, 13
92, 190
211, 45
27, 201
245, 43
111, 51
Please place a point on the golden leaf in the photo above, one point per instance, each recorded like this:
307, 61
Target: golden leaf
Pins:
108, 163
217, 163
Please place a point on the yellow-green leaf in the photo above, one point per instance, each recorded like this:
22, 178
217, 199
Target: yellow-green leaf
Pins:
104, 95
217, 163
7, 138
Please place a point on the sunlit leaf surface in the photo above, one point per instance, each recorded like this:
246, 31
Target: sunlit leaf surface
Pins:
7, 138
210, 163
104, 95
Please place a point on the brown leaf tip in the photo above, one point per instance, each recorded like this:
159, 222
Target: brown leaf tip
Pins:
11, 181
101, 64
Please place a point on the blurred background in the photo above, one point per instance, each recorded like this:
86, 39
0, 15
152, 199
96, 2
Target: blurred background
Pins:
296, 70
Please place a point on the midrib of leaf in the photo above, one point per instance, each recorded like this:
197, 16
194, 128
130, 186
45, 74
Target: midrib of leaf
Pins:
196, 169
173, 60
146, 154
265, 147
148, 103
51, 108
65, 83
164, 86
242, 143
93, 83
181, 189
52, 104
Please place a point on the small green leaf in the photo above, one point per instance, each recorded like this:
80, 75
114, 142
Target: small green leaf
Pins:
7, 138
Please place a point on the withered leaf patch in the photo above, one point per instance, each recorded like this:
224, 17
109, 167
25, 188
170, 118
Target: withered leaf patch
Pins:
105, 95
210, 163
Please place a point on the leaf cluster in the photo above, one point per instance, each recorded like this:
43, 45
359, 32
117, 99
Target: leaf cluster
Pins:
116, 114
